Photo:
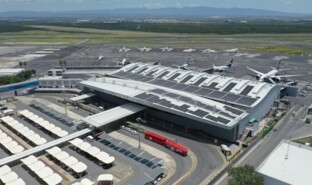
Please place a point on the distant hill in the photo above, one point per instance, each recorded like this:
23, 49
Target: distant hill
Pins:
186, 12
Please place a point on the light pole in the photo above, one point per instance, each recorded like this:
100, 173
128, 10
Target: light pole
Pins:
140, 120
64, 94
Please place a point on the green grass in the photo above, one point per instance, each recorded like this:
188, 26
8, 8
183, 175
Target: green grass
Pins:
283, 50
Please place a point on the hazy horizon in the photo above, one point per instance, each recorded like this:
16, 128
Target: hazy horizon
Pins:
289, 6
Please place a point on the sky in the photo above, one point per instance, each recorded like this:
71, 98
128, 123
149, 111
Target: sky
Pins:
293, 6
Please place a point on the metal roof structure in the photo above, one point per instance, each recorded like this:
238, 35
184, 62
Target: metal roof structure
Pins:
288, 163
170, 100
81, 97
244, 93
114, 114
4, 72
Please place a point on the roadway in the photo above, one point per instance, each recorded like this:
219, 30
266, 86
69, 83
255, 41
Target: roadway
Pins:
188, 171
288, 128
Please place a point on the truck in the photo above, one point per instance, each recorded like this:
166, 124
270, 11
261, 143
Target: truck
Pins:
162, 140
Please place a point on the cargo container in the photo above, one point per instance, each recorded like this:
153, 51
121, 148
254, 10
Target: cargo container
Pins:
176, 147
155, 138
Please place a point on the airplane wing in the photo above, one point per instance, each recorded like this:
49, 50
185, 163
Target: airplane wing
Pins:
255, 71
272, 81
209, 70
286, 76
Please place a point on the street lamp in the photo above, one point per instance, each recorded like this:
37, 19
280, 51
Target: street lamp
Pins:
64, 94
140, 121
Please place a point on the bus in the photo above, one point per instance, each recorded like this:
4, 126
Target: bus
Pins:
155, 137
176, 148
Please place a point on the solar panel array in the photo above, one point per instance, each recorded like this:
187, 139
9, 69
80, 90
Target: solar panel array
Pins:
157, 96
210, 92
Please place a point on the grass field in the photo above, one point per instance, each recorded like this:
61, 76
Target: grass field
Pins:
255, 42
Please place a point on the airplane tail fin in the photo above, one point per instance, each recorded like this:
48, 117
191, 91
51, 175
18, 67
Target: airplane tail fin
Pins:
278, 65
230, 64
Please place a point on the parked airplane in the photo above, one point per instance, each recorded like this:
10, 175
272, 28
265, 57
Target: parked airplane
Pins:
209, 51
190, 50
166, 49
220, 68
145, 49
124, 62
100, 58
183, 67
272, 75
124, 49
234, 50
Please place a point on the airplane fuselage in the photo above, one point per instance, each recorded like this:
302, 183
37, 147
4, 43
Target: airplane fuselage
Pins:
270, 74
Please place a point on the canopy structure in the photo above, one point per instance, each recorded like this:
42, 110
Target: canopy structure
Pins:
105, 177
8, 143
69, 161
10, 177
5, 170
29, 160
53, 179
18, 181
24, 131
93, 151
49, 127
41, 170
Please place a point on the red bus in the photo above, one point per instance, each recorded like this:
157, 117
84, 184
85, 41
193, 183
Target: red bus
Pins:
155, 137
176, 147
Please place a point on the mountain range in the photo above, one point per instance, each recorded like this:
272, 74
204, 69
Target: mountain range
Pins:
186, 12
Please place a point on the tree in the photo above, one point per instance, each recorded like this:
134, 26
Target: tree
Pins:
244, 175
24, 64
62, 63
21, 64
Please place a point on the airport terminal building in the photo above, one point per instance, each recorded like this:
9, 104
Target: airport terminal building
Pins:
219, 106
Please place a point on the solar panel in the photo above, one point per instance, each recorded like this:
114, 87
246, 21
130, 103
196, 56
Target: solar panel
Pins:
191, 89
212, 86
201, 80
222, 120
247, 90
227, 115
211, 117
172, 95
229, 87
217, 94
137, 77
179, 86
131, 76
134, 68
187, 79
234, 111
174, 76
163, 74
143, 96
153, 99
199, 113
246, 101
151, 73
203, 91
146, 79
158, 91
185, 99
158, 82
182, 108
166, 103
169, 84
231, 97
144, 69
